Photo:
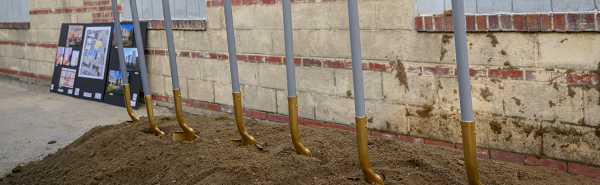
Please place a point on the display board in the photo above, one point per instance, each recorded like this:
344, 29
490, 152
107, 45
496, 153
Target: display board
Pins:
114, 93
85, 57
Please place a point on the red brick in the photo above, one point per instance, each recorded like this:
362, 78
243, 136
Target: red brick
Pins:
562, 166
439, 143
377, 67
311, 62
186, 102
268, 1
242, 57
184, 54
506, 74
584, 170
246, 112
477, 72
545, 76
273, 60
428, 23
580, 78
213, 56
276, 118
211, 106
589, 24
481, 23
198, 104
227, 109
419, 23
333, 63
470, 21
247, 2
381, 134
410, 139
545, 22
493, 22
481, 152
438, 70
159, 52
438, 23
352, 129
258, 114
559, 22
598, 21
508, 157
573, 22
532, 23
254, 58
335, 126
519, 22
222, 56
532, 160
313, 123
448, 24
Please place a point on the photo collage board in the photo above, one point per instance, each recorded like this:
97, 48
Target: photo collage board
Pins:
87, 63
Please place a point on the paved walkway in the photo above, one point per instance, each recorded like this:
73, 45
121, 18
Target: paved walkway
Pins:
31, 116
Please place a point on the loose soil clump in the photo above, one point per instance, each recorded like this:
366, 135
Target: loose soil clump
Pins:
128, 153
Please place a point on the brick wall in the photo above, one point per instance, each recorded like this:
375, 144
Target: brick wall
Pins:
535, 94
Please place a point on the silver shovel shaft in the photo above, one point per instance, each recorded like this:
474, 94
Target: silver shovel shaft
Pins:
289, 47
170, 44
233, 67
122, 66
140, 46
462, 60
357, 75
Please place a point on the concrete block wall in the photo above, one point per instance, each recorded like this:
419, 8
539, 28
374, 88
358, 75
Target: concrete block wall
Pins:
535, 94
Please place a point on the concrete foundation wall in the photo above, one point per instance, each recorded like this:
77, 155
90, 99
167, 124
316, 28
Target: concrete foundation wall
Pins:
533, 93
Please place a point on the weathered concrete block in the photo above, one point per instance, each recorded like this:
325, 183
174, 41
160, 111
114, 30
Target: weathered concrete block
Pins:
84, 18
48, 35
326, 43
16, 51
4, 50
157, 64
243, 17
573, 51
366, 12
316, 80
306, 16
273, 76
249, 73
215, 19
255, 41
306, 104
424, 47
569, 142
486, 95
372, 84
49, 54
157, 84
269, 17
258, 98
498, 49
179, 39
429, 122
197, 40
23, 65
302, 42
46, 68
74, 3
510, 134
334, 109
187, 67
387, 116
201, 90
394, 14
34, 67
3, 63
156, 39
382, 45
591, 106
34, 53
412, 90
43, 4
215, 70
543, 101
218, 40
182, 84
223, 93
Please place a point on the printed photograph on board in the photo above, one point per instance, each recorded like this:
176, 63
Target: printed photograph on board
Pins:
67, 78
74, 36
126, 34
115, 82
95, 52
67, 58
131, 59
74, 58
59, 55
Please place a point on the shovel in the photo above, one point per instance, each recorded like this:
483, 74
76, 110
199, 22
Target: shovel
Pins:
122, 66
464, 87
291, 79
142, 57
188, 133
235, 83
359, 95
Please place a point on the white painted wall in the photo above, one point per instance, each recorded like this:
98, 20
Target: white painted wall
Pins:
14, 11
180, 9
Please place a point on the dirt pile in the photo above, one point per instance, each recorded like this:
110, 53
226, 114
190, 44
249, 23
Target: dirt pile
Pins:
129, 153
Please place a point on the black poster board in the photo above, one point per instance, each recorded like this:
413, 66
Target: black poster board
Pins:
135, 78
59, 66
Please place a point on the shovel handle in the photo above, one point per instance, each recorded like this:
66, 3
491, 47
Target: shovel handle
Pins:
127, 94
293, 110
239, 119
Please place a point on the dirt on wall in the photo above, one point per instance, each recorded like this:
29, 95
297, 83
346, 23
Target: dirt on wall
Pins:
129, 153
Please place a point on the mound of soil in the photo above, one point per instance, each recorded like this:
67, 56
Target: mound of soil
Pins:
129, 153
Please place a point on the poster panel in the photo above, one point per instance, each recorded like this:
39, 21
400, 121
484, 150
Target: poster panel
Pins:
95, 51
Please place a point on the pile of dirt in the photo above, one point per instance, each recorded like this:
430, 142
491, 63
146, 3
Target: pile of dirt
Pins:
129, 153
